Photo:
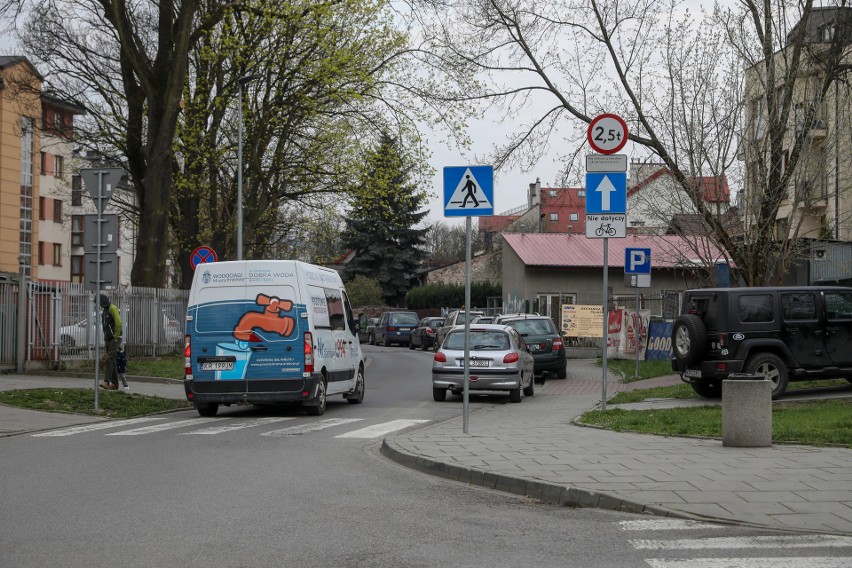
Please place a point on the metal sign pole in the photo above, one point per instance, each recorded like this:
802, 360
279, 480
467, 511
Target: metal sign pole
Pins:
605, 319
637, 324
466, 395
95, 326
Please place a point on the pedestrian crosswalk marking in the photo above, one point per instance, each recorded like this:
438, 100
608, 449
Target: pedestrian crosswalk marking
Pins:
377, 430
799, 562
666, 524
213, 430
311, 427
787, 541
162, 427
94, 427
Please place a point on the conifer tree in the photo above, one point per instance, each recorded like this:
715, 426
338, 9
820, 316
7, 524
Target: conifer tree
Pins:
382, 224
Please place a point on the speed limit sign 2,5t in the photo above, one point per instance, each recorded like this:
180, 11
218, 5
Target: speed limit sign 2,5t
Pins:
607, 133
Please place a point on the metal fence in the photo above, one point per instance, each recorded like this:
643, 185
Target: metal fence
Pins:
64, 321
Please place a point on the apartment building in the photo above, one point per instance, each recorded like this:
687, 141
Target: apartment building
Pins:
817, 203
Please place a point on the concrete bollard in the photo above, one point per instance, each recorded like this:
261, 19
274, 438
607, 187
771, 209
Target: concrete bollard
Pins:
746, 411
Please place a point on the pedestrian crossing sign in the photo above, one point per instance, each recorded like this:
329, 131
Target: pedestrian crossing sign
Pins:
468, 191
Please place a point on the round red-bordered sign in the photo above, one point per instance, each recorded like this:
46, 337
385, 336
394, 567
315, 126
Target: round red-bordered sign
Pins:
202, 255
607, 133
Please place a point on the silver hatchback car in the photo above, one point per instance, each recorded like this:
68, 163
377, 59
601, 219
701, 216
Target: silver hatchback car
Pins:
499, 361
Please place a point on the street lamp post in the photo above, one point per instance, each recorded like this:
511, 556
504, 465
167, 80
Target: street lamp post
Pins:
241, 81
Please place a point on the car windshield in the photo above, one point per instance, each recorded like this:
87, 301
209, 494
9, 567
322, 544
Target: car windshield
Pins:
532, 326
479, 340
404, 319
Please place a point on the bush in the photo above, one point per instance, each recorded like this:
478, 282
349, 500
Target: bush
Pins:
364, 291
450, 295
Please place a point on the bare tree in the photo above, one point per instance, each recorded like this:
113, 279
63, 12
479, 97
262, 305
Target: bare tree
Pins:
678, 79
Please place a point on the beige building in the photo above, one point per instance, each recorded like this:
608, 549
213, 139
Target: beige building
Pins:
818, 200
36, 139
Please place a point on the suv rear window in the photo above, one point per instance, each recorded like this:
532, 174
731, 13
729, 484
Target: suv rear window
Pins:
799, 306
705, 307
755, 308
403, 318
838, 305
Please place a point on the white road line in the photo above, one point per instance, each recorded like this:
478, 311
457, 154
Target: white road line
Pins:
236, 426
94, 427
789, 562
311, 427
377, 430
787, 541
166, 426
666, 524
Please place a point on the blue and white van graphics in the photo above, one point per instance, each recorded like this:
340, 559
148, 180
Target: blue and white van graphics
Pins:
265, 331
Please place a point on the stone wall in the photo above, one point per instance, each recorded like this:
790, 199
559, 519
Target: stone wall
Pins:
486, 267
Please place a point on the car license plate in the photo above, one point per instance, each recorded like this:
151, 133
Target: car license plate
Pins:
218, 366
476, 363
694, 373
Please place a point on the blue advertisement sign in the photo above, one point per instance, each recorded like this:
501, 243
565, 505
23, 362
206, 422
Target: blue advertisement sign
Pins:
659, 341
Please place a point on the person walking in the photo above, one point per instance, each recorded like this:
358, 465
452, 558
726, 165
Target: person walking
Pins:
111, 322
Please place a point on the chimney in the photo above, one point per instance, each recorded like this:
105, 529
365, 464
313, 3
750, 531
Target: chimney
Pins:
535, 193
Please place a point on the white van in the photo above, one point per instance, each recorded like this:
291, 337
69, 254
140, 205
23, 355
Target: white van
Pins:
269, 331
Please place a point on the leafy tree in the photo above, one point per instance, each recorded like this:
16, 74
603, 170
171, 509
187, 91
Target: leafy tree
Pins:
364, 292
381, 225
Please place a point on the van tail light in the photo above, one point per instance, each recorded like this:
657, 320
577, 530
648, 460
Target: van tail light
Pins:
511, 358
187, 356
309, 352
440, 357
557, 345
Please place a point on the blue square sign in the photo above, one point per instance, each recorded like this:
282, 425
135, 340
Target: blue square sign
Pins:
637, 261
468, 191
606, 192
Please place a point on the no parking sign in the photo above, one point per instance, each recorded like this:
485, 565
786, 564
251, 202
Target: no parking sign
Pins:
202, 255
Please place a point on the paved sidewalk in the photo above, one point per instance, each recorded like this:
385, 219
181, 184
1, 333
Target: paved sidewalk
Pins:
534, 449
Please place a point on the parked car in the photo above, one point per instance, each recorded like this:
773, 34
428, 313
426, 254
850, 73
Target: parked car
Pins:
482, 319
544, 340
499, 361
83, 332
366, 326
425, 334
371, 330
454, 318
396, 327
782, 333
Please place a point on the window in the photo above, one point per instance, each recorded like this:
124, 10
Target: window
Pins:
57, 166
581, 193
58, 120
334, 301
838, 305
552, 193
756, 308
76, 190
43, 163
42, 208
826, 32
554, 216
57, 254
573, 216
77, 230
798, 306
57, 210
77, 268
41, 253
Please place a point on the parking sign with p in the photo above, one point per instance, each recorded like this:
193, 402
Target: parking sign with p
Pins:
637, 261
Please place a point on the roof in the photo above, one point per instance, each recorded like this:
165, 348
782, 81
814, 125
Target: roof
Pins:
559, 250
712, 189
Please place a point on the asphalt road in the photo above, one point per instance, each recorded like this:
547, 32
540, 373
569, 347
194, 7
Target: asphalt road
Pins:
274, 487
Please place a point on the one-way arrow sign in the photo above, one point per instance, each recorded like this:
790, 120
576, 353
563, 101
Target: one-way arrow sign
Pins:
606, 193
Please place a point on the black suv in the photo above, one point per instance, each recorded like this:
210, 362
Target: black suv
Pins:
782, 333
544, 341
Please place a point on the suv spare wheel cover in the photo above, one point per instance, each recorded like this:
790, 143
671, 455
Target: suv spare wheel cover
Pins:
689, 338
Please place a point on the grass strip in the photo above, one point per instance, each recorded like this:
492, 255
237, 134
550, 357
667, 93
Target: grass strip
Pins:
112, 404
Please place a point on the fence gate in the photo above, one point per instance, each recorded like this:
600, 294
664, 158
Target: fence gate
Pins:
8, 323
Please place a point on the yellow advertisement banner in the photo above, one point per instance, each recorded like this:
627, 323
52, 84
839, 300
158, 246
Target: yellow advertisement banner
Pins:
582, 321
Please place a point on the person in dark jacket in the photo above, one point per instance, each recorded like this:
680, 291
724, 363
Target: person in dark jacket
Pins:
111, 321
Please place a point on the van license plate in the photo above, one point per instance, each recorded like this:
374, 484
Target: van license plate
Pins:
694, 373
218, 366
